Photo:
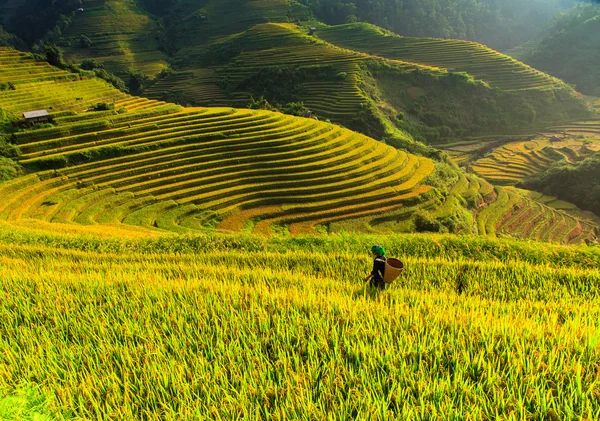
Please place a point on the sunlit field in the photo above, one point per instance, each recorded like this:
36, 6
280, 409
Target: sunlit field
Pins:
242, 327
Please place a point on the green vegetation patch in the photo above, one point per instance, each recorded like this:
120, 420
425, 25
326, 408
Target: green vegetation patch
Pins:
28, 403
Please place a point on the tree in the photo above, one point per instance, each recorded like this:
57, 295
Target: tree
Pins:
137, 82
54, 55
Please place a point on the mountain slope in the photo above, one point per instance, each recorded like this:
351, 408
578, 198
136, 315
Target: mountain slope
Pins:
345, 85
568, 49
482, 63
157, 165
380, 87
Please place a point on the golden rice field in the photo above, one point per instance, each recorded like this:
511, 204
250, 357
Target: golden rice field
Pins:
242, 327
161, 166
483, 63
178, 171
517, 161
39, 85
108, 313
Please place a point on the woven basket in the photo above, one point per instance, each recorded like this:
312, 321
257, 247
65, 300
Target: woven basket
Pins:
393, 269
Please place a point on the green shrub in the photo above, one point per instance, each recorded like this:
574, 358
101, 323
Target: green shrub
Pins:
54, 56
8, 150
102, 106
425, 223
111, 78
296, 108
9, 169
91, 64
261, 104
7, 86
138, 82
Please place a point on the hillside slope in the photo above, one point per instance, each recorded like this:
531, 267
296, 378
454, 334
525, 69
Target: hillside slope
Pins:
121, 35
483, 63
568, 49
414, 99
375, 92
157, 165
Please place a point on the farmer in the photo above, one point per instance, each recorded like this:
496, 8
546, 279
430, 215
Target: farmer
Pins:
376, 275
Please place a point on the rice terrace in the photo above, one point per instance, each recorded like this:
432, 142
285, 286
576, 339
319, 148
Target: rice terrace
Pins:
297, 209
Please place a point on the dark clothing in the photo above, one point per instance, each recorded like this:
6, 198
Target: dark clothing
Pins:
377, 272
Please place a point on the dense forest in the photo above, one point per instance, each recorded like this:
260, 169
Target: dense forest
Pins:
36, 18
500, 24
568, 49
10, 40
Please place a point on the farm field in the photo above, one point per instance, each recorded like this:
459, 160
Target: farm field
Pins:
39, 85
481, 62
355, 74
122, 35
174, 262
475, 327
186, 170
517, 161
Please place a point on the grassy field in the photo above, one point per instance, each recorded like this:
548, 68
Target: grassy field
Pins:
230, 327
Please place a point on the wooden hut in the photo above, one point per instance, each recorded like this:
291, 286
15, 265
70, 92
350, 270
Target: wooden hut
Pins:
38, 116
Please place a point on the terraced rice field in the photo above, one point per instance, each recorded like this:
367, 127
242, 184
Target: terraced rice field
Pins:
160, 166
267, 46
516, 161
183, 169
551, 201
123, 37
499, 212
270, 45
533, 219
41, 86
483, 63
